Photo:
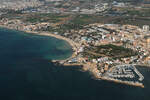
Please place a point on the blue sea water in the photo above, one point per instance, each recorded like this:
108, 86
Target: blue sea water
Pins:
26, 73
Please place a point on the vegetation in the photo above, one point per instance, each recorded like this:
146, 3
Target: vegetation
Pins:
53, 18
85, 19
137, 12
138, 21
109, 50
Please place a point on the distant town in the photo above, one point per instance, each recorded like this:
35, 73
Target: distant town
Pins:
109, 39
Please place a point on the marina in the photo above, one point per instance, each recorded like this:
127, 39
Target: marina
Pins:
127, 72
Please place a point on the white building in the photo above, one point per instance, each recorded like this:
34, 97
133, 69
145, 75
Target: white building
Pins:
146, 28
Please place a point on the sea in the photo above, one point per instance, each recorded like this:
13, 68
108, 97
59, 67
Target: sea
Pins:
27, 73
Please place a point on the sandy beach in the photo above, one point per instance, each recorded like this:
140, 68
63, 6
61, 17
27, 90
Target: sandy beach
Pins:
72, 43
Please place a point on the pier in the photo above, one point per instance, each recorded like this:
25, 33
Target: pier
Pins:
141, 77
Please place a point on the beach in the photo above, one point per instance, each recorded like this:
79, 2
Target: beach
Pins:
71, 42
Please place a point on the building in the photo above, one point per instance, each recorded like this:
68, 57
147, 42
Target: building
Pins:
146, 28
147, 41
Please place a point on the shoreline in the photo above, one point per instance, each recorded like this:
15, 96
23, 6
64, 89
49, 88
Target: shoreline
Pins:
75, 48
96, 77
69, 41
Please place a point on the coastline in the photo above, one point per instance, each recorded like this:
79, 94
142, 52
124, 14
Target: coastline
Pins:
75, 48
71, 43
97, 77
